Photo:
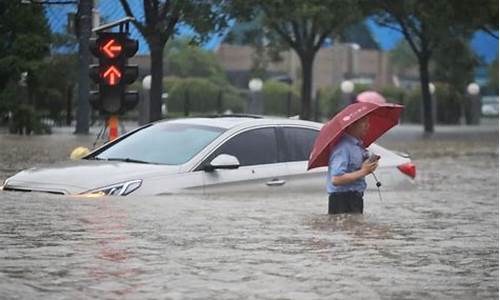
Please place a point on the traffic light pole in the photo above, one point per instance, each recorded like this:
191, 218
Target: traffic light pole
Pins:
112, 124
84, 33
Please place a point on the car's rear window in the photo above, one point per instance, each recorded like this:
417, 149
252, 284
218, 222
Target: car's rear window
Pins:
165, 143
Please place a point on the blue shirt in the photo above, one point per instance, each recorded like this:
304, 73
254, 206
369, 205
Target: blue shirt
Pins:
347, 156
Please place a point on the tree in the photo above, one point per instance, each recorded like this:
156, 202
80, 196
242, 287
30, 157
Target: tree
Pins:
426, 24
454, 63
402, 57
302, 25
24, 39
187, 60
24, 43
360, 34
493, 75
161, 19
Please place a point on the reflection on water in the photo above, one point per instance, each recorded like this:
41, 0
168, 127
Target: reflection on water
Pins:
438, 240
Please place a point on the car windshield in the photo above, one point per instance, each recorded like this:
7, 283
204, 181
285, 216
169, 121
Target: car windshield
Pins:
166, 143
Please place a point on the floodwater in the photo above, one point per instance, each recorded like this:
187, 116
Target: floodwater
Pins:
438, 240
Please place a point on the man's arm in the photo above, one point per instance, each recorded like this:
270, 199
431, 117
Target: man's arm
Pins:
346, 178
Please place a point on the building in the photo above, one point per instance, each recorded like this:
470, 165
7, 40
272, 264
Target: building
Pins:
331, 66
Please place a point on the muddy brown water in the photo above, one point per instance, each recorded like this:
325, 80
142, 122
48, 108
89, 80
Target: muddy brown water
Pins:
438, 240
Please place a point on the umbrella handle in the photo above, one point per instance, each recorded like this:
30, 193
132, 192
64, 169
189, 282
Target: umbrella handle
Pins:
379, 184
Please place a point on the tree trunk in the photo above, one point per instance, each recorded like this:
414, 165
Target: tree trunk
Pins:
307, 80
69, 102
85, 24
156, 81
426, 95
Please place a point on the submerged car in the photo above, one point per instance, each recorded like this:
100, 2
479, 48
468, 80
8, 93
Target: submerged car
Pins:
221, 154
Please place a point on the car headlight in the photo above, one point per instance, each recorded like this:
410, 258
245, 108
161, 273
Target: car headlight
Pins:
119, 189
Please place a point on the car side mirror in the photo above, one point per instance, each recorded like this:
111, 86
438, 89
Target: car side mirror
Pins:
223, 161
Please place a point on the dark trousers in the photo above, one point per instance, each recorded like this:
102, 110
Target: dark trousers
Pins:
345, 203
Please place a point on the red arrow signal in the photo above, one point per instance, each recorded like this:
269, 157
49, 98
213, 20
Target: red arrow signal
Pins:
112, 75
111, 48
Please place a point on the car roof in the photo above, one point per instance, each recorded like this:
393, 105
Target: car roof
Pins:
229, 122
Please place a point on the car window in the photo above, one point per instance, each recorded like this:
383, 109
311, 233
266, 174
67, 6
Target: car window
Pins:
164, 143
253, 147
298, 142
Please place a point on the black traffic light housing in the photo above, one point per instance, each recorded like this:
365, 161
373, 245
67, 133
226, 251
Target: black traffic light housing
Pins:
113, 73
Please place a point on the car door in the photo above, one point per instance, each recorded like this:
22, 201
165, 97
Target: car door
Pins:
257, 153
297, 144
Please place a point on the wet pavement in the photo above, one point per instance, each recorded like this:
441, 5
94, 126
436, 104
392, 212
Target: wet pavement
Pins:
438, 240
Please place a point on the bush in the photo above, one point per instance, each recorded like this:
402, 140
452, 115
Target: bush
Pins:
26, 121
393, 94
331, 101
449, 104
200, 95
275, 96
412, 113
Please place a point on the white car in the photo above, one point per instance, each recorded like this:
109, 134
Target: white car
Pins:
489, 106
222, 154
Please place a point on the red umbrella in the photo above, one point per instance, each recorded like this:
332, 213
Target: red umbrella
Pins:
382, 117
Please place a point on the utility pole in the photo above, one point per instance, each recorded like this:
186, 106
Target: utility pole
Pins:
84, 28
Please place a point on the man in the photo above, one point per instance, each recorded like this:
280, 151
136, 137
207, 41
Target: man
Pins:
347, 168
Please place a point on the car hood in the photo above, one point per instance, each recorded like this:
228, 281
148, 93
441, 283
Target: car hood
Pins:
73, 177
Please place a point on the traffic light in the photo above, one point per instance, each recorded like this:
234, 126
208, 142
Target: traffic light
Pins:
113, 74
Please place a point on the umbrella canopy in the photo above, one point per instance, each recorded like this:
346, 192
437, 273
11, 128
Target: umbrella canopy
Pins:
382, 117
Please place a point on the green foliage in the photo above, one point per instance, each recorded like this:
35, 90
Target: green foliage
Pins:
302, 25
493, 75
360, 34
160, 22
26, 121
275, 96
449, 102
10, 97
332, 101
198, 84
24, 39
431, 27
454, 63
24, 42
412, 112
187, 60
402, 57
199, 95
393, 94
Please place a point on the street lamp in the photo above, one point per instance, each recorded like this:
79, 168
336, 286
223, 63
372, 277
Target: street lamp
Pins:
146, 83
347, 88
473, 105
255, 105
144, 106
352, 59
473, 89
255, 85
164, 109
432, 90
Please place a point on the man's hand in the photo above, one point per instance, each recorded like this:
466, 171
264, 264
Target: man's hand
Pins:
368, 167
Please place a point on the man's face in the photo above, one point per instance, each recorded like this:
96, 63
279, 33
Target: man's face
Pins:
359, 128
